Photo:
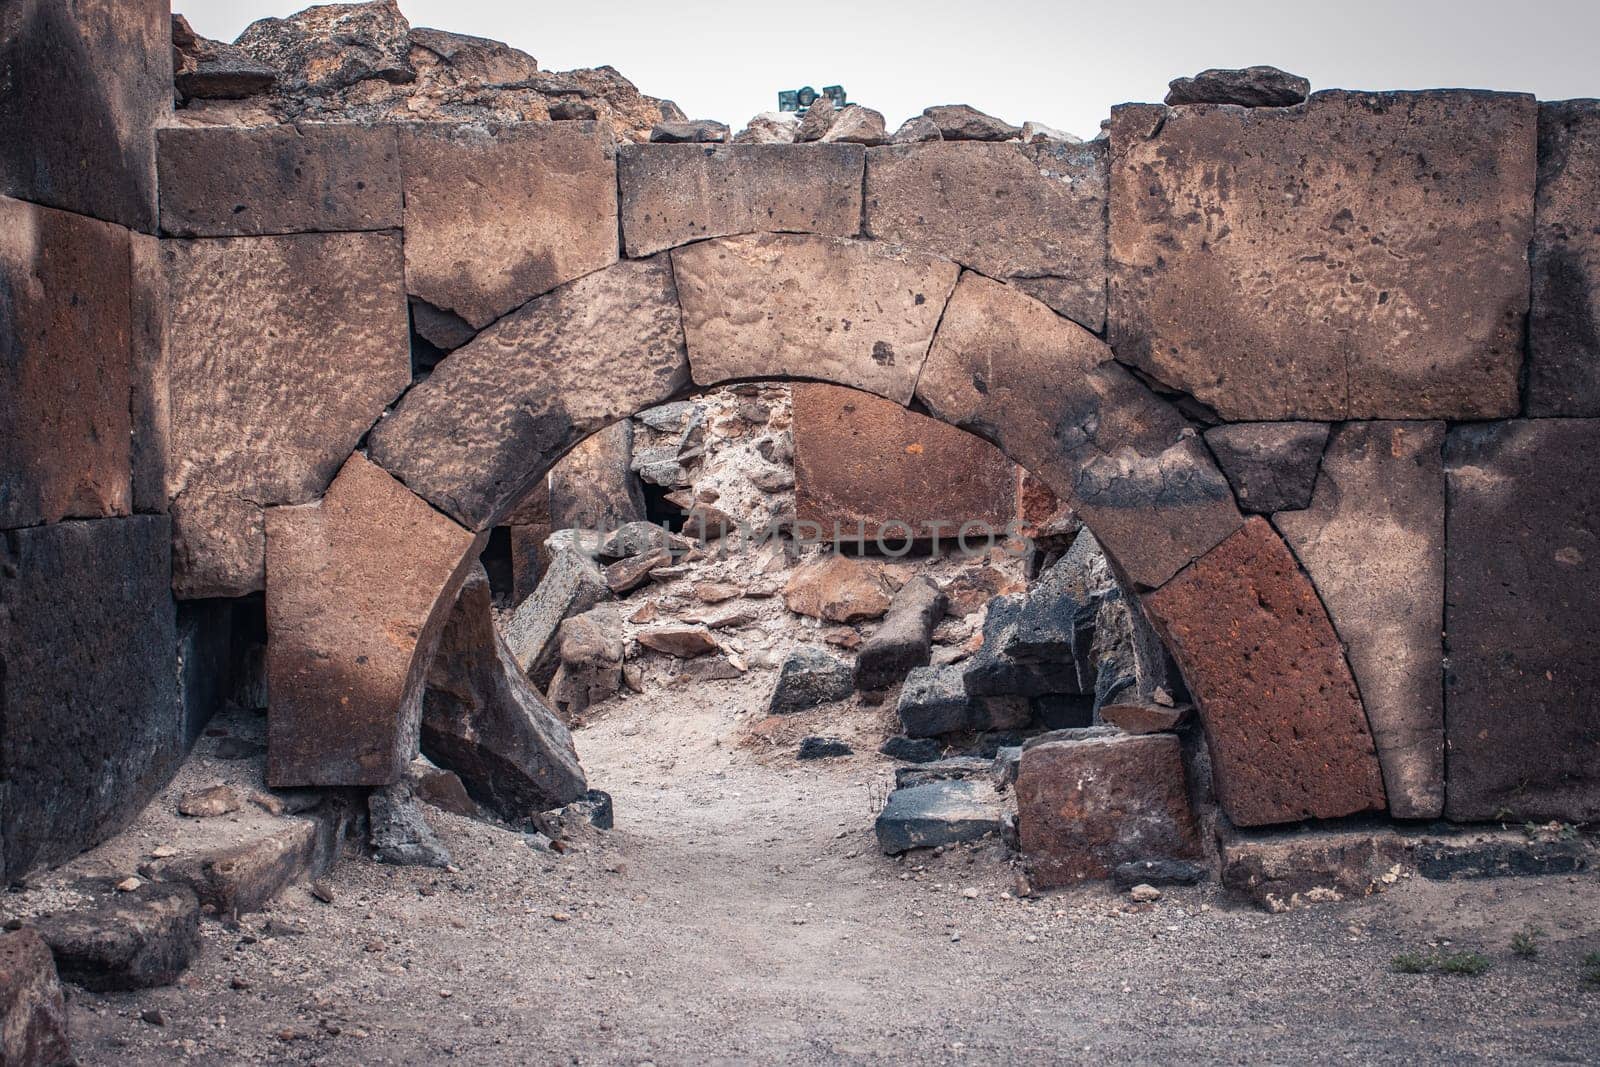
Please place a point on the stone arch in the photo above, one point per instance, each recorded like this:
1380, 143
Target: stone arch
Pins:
358, 584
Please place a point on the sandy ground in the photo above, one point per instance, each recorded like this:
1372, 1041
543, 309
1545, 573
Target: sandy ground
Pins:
741, 912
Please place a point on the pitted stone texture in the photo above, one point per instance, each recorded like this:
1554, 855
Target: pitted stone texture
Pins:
491, 419
1034, 215
674, 194
1363, 255
64, 366
1373, 544
85, 84
359, 586
284, 350
89, 709
1248, 87
1564, 328
1522, 591
33, 1013
1272, 466
1048, 393
496, 215
1287, 734
219, 181
150, 411
333, 46
778, 306
1088, 804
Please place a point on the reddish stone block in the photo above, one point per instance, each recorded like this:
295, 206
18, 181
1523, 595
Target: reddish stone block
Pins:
33, 1013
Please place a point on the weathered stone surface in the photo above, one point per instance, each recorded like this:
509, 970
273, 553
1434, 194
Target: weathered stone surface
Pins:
482, 430
84, 87
855, 124
912, 749
400, 833
685, 642
1284, 724
1049, 394
865, 468
918, 129
1034, 215
1272, 466
594, 487
1373, 542
838, 588
937, 813
483, 720
128, 940
1399, 222
671, 195
1084, 806
592, 651
219, 181
529, 559
570, 586
778, 305
1145, 718
810, 678
1036, 132
498, 214
330, 47
89, 710
1564, 327
1522, 591
284, 350
905, 637
961, 122
769, 127
150, 411
33, 1014
64, 366
358, 589
934, 701
1250, 87
239, 879
209, 802
213, 70
1283, 873
695, 131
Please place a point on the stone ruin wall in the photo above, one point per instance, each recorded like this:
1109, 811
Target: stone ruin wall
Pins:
1323, 378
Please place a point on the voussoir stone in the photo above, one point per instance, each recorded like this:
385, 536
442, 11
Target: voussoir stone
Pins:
779, 305
1034, 215
220, 181
674, 194
490, 420
64, 366
1373, 543
359, 586
1564, 326
1363, 255
1522, 592
497, 214
1260, 86
1049, 393
1272, 466
284, 351
1284, 724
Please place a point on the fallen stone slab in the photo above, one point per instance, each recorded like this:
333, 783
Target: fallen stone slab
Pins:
571, 585
1159, 873
855, 124
684, 642
1146, 718
33, 1013
128, 940
934, 701
626, 575
838, 588
1288, 871
400, 834
937, 813
942, 770
962, 122
592, 651
810, 678
904, 640
1260, 86
1272, 466
637, 538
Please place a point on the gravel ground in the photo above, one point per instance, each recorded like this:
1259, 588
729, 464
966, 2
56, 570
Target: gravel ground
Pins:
740, 912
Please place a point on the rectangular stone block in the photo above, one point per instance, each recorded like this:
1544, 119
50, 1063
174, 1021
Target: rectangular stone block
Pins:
1362, 255
65, 343
1033, 215
82, 88
151, 407
672, 194
89, 709
1522, 592
1564, 325
224, 181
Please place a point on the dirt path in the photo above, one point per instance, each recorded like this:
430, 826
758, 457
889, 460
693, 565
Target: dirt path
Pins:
741, 913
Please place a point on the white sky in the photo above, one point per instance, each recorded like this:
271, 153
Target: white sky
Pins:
1062, 63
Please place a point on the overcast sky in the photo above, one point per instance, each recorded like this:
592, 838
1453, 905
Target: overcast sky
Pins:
1061, 63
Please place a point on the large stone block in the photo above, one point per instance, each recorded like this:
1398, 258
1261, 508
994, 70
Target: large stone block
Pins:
223, 181
594, 487
674, 194
150, 409
33, 1013
1522, 591
1085, 805
1362, 255
496, 215
1372, 541
284, 350
1564, 327
491, 419
778, 306
1272, 466
861, 462
1048, 392
85, 86
1287, 734
359, 586
1034, 215
65, 380
89, 710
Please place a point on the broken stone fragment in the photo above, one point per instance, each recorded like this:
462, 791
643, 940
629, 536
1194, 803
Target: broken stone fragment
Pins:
1034, 132
211, 70
684, 642
918, 129
1158, 873
593, 487
209, 802
591, 661
400, 835
242, 878
822, 748
905, 637
698, 131
134, 940
941, 770
839, 589
934, 701
959, 122
33, 1013
855, 124
810, 678
937, 813
912, 749
635, 538
441, 788
333, 46
570, 586
769, 127
1145, 718
1259, 86
626, 575
817, 120
1272, 466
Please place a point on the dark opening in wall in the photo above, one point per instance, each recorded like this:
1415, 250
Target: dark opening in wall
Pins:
661, 511
496, 559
